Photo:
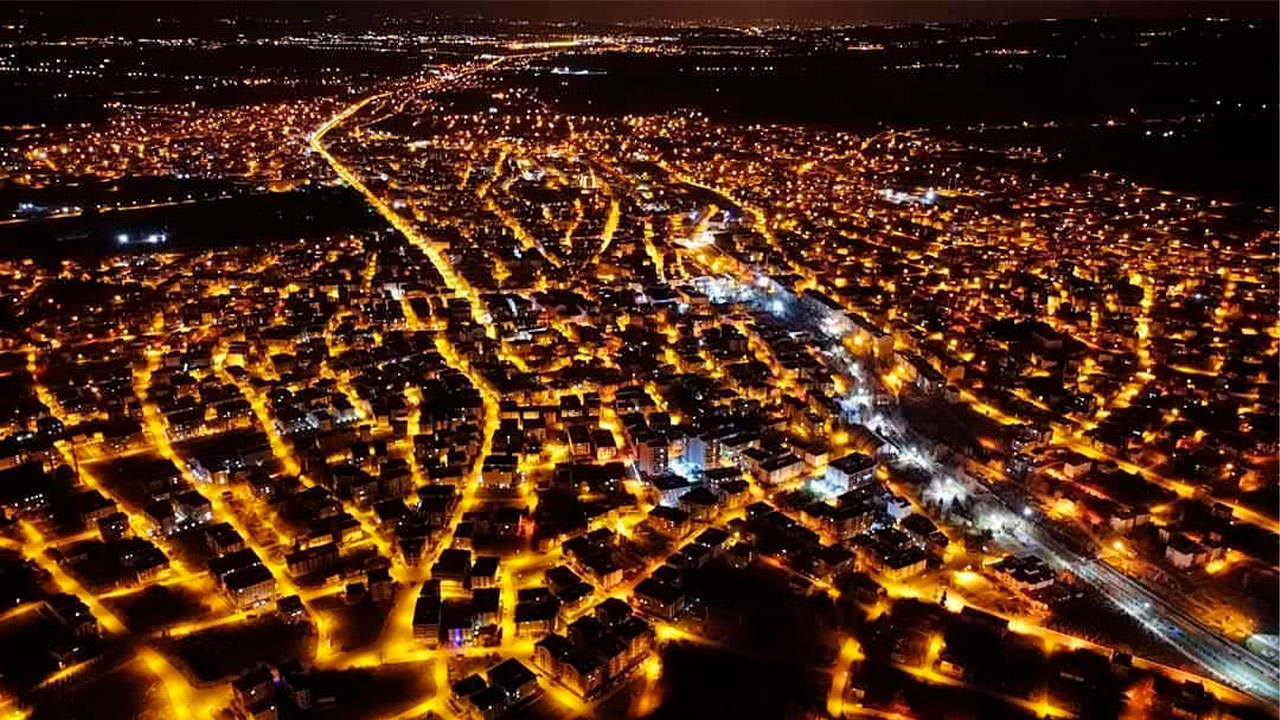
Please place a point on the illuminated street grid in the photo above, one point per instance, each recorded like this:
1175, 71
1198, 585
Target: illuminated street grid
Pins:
589, 355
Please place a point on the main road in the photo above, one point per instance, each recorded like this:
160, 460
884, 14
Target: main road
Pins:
1222, 658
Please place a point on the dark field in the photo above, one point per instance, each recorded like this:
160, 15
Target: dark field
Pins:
1184, 79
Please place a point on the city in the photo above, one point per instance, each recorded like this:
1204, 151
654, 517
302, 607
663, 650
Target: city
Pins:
444, 367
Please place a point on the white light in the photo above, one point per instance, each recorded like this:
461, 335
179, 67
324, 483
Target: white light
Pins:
122, 238
683, 468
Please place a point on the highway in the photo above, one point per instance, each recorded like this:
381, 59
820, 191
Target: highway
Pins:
1221, 658
1163, 617
1234, 665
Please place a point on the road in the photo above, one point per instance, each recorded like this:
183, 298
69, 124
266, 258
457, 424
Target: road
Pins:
1162, 616
1219, 656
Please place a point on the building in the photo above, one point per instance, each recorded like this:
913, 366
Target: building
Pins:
253, 687
660, 599
1183, 553
250, 587
517, 681
426, 613
780, 469
851, 471
484, 572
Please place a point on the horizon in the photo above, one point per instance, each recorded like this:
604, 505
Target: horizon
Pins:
801, 12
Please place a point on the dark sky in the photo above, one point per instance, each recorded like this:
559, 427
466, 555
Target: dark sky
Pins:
859, 10
114, 15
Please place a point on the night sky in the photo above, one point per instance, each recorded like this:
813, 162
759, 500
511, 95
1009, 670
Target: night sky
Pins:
113, 15
869, 11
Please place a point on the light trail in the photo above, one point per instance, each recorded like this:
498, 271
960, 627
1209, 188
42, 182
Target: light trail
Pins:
1223, 659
